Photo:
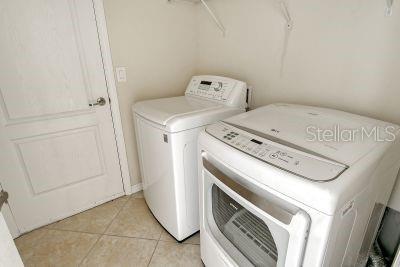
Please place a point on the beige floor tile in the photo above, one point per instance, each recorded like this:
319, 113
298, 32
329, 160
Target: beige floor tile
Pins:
94, 220
121, 251
59, 248
27, 242
165, 236
173, 254
135, 220
138, 195
195, 239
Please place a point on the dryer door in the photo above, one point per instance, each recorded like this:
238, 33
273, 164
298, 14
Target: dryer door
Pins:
254, 229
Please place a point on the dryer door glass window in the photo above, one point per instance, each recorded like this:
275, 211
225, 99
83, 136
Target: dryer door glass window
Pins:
248, 233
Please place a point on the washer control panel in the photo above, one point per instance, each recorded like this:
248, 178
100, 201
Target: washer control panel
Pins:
212, 87
294, 161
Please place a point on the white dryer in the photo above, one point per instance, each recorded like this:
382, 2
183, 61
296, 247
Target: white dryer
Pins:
288, 185
166, 134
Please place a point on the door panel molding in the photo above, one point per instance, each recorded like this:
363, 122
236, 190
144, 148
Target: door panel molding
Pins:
80, 48
29, 92
59, 115
62, 172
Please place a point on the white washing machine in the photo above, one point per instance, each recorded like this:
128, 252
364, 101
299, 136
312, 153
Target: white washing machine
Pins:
166, 134
278, 190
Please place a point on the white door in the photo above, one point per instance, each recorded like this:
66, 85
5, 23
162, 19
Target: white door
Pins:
58, 155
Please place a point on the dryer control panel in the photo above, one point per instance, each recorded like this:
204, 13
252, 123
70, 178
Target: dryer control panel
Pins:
218, 89
283, 157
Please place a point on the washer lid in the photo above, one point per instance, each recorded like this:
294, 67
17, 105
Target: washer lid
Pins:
169, 112
332, 134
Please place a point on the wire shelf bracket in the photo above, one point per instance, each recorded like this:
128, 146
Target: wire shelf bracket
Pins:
214, 17
210, 12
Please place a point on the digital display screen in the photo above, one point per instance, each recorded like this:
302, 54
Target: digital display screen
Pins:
205, 82
256, 141
205, 85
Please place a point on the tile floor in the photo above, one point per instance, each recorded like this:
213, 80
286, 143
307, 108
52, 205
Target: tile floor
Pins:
122, 232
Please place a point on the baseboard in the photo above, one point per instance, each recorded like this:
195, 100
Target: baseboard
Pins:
136, 188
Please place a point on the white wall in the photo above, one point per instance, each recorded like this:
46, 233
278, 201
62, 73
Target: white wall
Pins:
341, 54
156, 42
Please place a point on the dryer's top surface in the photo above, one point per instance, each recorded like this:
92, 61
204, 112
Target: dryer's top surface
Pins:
337, 135
163, 110
182, 113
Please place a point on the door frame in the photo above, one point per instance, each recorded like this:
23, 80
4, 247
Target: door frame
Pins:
112, 93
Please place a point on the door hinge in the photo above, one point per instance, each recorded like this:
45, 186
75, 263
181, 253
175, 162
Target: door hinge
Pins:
3, 198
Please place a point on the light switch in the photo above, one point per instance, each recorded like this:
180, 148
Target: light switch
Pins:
121, 74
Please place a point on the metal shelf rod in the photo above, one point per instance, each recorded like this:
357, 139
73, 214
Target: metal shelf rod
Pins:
214, 17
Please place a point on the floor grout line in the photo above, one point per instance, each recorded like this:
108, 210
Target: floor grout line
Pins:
113, 235
177, 243
158, 241
131, 237
152, 255
86, 232
101, 235
90, 250
116, 215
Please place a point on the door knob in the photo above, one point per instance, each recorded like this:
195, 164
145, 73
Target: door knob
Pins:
101, 101
3, 198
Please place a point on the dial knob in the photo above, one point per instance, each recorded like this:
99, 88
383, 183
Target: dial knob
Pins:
217, 86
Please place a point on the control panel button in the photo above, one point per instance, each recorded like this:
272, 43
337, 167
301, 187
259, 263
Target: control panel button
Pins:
274, 156
262, 153
211, 89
